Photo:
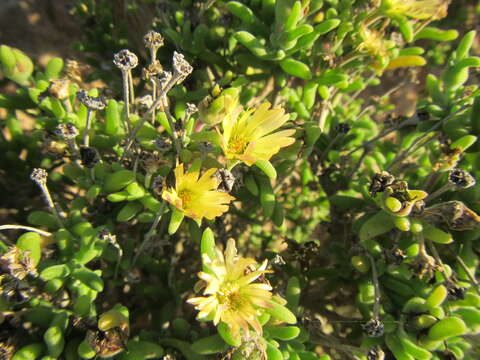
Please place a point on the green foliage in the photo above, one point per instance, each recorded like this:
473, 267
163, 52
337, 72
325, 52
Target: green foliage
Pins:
141, 194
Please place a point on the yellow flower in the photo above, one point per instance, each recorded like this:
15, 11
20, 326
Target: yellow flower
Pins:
231, 295
197, 197
417, 9
373, 42
247, 135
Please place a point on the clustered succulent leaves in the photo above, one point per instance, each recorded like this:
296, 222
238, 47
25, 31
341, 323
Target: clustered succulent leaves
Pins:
240, 185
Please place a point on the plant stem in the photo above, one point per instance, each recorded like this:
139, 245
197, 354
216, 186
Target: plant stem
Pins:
150, 233
86, 133
126, 97
22, 227
376, 305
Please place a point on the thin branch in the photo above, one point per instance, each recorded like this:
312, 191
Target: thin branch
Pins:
22, 227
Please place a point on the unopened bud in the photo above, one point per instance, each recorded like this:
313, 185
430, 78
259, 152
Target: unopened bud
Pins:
89, 156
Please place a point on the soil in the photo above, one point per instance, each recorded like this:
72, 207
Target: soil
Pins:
41, 28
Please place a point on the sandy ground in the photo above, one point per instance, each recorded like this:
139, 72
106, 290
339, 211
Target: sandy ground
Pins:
41, 28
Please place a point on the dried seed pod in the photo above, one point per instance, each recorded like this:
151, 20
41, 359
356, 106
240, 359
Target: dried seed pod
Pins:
191, 109
380, 182
89, 156
17, 263
460, 178
374, 328
145, 101
153, 40
454, 215
455, 292
66, 131
163, 144
125, 60
92, 103
107, 343
375, 353
153, 69
59, 89
158, 184
181, 67
39, 176
342, 128
225, 179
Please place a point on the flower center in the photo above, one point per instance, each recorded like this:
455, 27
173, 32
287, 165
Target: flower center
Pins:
185, 195
236, 145
230, 297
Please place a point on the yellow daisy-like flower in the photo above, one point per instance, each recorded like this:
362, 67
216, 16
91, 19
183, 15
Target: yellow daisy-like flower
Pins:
247, 135
197, 197
373, 42
231, 295
417, 9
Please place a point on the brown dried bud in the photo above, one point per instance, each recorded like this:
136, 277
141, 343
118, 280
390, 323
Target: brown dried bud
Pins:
125, 60
92, 103
66, 131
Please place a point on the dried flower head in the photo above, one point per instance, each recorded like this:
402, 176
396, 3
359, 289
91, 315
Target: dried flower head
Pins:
39, 176
17, 263
376, 353
380, 182
145, 101
158, 185
125, 60
181, 67
231, 295
153, 69
373, 328
89, 156
454, 215
197, 197
66, 131
60, 88
92, 103
191, 109
108, 343
153, 39
226, 180
163, 144
163, 79
248, 136
460, 178
342, 128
